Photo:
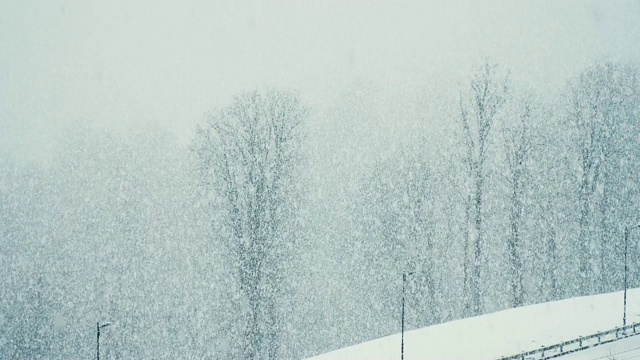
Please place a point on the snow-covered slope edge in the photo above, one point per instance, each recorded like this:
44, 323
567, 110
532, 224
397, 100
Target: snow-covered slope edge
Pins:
502, 333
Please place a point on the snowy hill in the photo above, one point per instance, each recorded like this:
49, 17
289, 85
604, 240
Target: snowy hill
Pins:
506, 332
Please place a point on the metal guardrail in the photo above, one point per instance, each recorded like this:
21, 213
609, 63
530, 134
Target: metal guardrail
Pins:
578, 344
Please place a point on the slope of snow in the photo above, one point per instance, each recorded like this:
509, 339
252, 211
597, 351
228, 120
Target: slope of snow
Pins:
503, 333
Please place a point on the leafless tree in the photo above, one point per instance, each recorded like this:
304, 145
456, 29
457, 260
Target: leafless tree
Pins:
478, 112
516, 134
603, 105
249, 159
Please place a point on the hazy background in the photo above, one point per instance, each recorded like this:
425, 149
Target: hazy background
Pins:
92, 183
120, 64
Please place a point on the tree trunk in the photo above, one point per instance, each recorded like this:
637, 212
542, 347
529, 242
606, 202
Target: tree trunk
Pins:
466, 285
476, 291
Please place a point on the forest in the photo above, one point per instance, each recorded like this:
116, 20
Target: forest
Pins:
255, 240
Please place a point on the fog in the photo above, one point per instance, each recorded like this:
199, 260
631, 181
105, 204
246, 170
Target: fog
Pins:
119, 64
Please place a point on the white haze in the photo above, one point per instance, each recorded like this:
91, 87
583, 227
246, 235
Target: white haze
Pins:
119, 64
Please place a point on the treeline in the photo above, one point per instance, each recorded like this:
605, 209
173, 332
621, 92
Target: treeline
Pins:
228, 247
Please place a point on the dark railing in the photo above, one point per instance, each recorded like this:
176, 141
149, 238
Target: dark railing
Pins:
581, 343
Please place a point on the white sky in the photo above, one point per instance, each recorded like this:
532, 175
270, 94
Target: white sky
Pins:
119, 64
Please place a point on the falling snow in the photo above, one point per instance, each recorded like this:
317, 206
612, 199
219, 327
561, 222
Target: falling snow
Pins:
255, 180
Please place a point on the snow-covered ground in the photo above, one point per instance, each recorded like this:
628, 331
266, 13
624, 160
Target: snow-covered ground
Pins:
510, 332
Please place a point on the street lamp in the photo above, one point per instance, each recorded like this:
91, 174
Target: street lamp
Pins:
98, 327
626, 269
404, 280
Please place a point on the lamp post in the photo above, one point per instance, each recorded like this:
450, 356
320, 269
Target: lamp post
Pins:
404, 280
98, 327
626, 269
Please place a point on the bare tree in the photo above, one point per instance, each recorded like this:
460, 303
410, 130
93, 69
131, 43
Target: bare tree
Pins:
418, 207
249, 159
551, 260
395, 222
478, 111
603, 105
516, 134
